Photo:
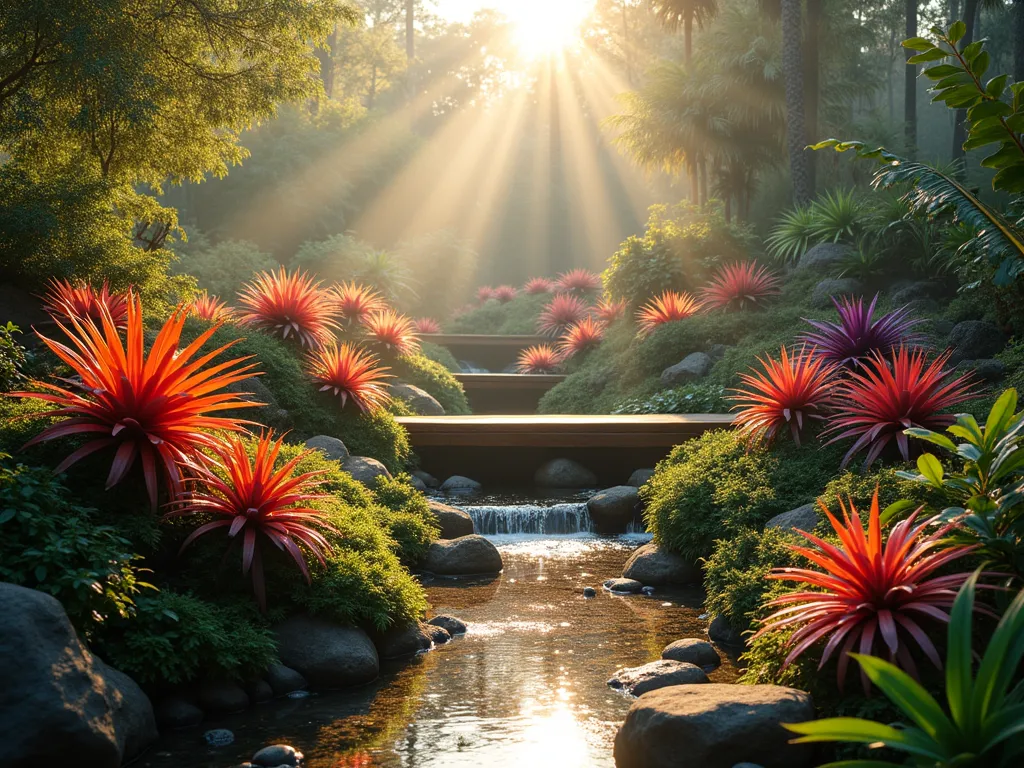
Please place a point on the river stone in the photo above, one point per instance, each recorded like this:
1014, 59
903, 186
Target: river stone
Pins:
639, 477
438, 635
821, 296
612, 509
657, 567
219, 737
460, 484
60, 704
692, 367
722, 632
987, 370
365, 470
327, 655
629, 586
693, 651
975, 340
428, 479
175, 711
803, 518
908, 292
454, 522
418, 484
277, 755
403, 640
824, 256
258, 691
222, 697
419, 400
589, 592
331, 447
564, 473
283, 680
466, 556
450, 624
714, 726
658, 674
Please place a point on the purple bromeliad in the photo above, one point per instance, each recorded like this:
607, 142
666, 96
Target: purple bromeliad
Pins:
857, 335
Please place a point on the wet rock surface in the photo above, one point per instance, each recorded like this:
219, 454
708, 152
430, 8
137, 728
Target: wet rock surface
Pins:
637, 681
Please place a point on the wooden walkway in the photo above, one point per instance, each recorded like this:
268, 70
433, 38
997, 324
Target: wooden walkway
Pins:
491, 352
506, 393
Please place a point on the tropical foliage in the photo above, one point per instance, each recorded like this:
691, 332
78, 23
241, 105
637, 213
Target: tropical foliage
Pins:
669, 307
291, 305
351, 374
858, 334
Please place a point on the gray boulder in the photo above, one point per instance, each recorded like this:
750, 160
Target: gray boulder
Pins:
453, 625
658, 674
803, 518
722, 632
222, 696
331, 447
283, 680
821, 296
403, 640
365, 470
419, 400
276, 756
692, 367
908, 292
438, 635
639, 477
327, 655
454, 522
989, 370
459, 484
823, 257
975, 340
714, 726
693, 651
564, 473
176, 711
428, 479
612, 509
626, 586
466, 556
258, 691
717, 351
255, 391
418, 484
59, 704
657, 567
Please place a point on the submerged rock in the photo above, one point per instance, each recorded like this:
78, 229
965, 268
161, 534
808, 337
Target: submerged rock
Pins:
589, 592
401, 641
454, 522
438, 635
460, 484
365, 470
694, 651
628, 586
451, 624
277, 755
176, 711
658, 567
466, 556
714, 726
219, 737
639, 680
327, 655
222, 696
612, 509
283, 680
564, 473
258, 691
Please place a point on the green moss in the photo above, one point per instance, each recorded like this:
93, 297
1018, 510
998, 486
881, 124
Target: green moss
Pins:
437, 380
861, 487
222, 269
407, 516
515, 317
440, 355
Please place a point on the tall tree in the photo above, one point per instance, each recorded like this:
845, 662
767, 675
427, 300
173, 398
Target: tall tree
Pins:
910, 84
676, 14
812, 77
1018, 41
410, 29
796, 129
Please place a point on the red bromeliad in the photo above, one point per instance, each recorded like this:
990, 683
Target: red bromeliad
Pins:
484, 294
505, 293
356, 302
350, 372
81, 301
578, 281
538, 285
669, 307
210, 308
735, 286
392, 331
878, 401
254, 500
608, 311
580, 337
541, 358
292, 305
868, 591
562, 311
426, 325
791, 391
156, 407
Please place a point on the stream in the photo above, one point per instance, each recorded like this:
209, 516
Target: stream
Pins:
525, 686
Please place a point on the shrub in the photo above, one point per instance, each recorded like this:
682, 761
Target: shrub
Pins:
12, 357
438, 381
220, 269
376, 435
408, 518
440, 355
518, 316
50, 544
691, 398
859, 487
334, 258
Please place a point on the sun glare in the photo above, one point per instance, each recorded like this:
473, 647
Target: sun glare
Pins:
544, 27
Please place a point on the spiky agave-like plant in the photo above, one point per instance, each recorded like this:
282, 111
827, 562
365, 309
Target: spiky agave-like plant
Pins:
792, 235
868, 590
156, 407
540, 358
741, 285
355, 302
291, 305
558, 314
887, 395
505, 293
669, 307
64, 299
210, 308
790, 392
485, 293
426, 325
580, 337
858, 334
607, 311
538, 285
391, 332
256, 499
578, 281
350, 373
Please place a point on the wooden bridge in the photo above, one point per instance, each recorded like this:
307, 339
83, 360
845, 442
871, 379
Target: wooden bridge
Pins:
495, 353
511, 393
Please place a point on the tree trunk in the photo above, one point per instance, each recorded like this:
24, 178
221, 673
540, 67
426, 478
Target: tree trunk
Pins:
910, 85
960, 126
694, 189
796, 132
625, 44
688, 39
326, 57
703, 182
1018, 41
812, 67
410, 30
954, 11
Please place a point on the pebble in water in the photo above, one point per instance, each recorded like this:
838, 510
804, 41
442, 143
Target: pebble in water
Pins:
277, 755
589, 592
648, 590
298, 694
219, 737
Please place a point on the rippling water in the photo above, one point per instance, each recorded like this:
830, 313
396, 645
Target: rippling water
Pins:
524, 687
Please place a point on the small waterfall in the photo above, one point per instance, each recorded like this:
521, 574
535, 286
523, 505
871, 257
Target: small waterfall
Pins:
530, 518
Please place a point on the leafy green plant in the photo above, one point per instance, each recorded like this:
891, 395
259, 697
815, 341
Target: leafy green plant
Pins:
12, 357
692, 398
222, 268
838, 216
792, 235
984, 717
435, 378
865, 261
407, 516
988, 493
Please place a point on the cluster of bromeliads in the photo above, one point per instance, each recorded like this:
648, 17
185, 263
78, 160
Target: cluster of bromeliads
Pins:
164, 408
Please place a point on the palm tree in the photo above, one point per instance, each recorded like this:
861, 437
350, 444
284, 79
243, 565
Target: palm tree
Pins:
910, 84
674, 14
1018, 41
796, 130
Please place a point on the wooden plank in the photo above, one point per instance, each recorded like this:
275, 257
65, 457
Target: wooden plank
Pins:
509, 381
484, 340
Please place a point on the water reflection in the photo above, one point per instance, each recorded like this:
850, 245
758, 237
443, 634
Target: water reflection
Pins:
525, 686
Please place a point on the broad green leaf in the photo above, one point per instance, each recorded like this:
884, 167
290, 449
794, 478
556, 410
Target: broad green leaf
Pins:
895, 509
1002, 656
932, 437
1002, 411
923, 58
918, 44
958, 654
865, 732
931, 468
909, 695
1007, 724
996, 86
957, 30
